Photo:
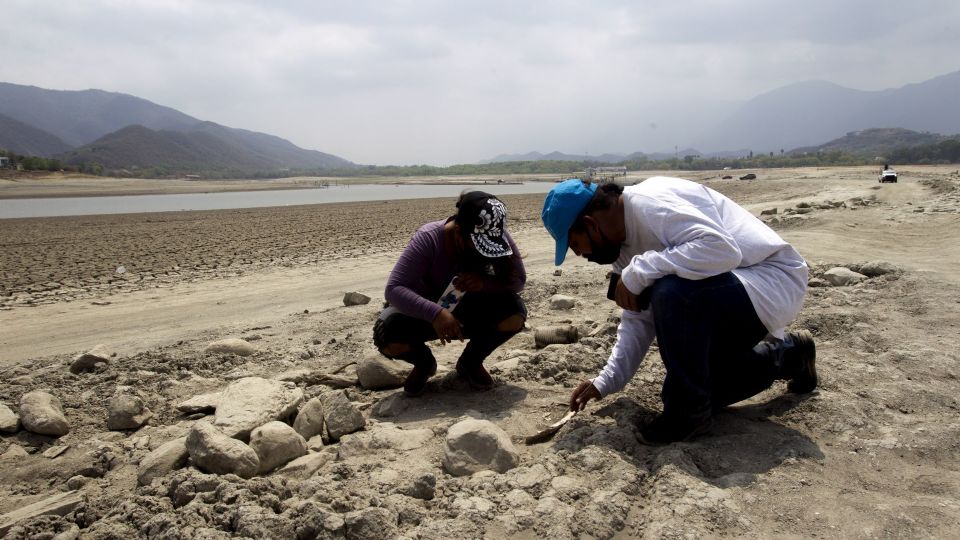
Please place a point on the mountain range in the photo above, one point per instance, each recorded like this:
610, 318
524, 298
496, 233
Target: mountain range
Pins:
802, 115
120, 131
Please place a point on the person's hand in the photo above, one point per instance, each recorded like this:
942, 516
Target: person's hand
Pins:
634, 302
582, 394
468, 282
447, 327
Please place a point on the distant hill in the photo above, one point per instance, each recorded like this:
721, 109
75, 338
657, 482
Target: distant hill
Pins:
807, 113
119, 131
23, 139
207, 147
874, 142
80, 117
602, 158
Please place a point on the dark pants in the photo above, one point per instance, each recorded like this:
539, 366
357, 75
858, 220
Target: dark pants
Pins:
480, 313
706, 331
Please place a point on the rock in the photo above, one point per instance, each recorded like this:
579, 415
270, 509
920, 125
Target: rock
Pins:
769, 212
235, 346
355, 299
88, 360
840, 276
276, 444
215, 452
201, 403
55, 451
371, 524
306, 466
560, 301
383, 436
60, 504
817, 282
476, 445
9, 421
77, 482
551, 335
423, 486
251, 402
315, 443
604, 329
392, 405
309, 421
878, 268
166, 458
341, 416
376, 372
14, 453
558, 272
42, 413
126, 411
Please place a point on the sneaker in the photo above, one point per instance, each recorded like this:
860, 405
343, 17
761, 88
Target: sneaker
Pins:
476, 376
416, 383
802, 358
665, 430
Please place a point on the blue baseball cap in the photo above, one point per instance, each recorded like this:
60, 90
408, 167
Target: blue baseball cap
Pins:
560, 209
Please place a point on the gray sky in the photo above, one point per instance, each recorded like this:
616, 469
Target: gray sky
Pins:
441, 82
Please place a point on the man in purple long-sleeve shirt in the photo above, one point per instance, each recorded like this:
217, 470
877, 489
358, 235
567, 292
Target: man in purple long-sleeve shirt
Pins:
473, 252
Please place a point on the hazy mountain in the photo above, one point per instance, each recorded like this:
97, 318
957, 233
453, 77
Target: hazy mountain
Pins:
602, 158
80, 117
21, 138
809, 113
874, 142
207, 147
120, 131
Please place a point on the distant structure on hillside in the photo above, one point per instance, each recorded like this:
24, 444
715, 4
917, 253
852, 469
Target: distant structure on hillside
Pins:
4, 162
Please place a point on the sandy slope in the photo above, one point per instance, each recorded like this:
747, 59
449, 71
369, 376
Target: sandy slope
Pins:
873, 454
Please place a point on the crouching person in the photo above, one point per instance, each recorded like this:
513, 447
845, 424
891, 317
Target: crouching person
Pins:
457, 279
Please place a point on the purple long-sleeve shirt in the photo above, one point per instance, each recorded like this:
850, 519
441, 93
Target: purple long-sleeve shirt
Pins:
426, 267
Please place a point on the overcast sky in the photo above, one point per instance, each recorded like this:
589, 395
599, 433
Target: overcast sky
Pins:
441, 82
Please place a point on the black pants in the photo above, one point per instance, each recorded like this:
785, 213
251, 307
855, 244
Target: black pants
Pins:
707, 330
480, 313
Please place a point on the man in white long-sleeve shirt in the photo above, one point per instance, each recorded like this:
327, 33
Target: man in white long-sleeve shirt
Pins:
701, 274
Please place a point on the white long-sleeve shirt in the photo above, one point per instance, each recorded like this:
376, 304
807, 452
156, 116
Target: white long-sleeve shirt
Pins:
675, 226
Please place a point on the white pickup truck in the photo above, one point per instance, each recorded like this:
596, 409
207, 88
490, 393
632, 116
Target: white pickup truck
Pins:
888, 175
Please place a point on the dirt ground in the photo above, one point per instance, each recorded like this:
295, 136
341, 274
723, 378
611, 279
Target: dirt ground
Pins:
872, 454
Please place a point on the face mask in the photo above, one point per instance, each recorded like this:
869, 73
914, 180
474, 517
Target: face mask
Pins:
607, 253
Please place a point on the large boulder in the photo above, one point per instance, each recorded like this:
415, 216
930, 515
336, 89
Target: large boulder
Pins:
477, 445
100, 354
878, 268
276, 444
9, 421
376, 372
214, 452
841, 276
340, 415
309, 421
251, 402
126, 411
166, 458
42, 413
383, 436
235, 346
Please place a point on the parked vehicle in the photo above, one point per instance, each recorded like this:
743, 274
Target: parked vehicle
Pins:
888, 175
749, 176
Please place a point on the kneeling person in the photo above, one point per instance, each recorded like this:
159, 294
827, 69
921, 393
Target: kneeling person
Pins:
457, 279
701, 274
